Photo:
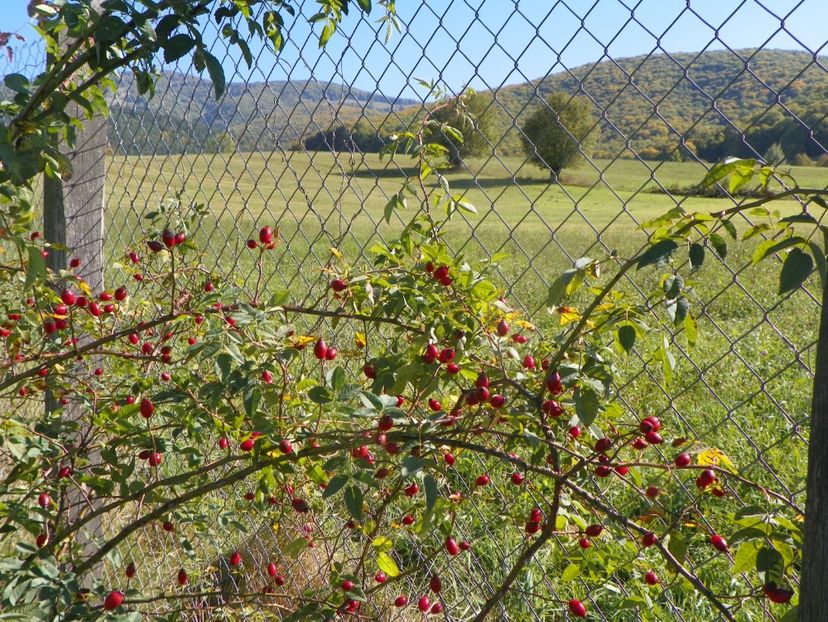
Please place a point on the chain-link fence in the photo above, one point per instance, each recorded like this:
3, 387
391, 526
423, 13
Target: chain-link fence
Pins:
294, 143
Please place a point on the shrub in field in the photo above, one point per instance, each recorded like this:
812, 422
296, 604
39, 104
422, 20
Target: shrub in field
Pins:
446, 445
558, 132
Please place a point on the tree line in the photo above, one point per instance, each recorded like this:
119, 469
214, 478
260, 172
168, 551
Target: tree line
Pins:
561, 128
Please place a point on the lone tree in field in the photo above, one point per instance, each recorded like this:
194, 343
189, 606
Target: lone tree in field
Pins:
775, 155
472, 115
558, 132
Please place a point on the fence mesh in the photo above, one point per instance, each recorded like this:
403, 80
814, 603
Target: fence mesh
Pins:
267, 152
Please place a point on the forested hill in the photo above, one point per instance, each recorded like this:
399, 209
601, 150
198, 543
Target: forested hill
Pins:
641, 97
645, 96
184, 115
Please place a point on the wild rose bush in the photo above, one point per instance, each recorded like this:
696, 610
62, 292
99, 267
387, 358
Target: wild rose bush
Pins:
452, 459
452, 429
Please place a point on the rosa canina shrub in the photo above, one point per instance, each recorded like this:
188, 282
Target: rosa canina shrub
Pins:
463, 431
458, 462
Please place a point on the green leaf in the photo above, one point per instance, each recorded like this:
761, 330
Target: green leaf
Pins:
745, 557
730, 228
336, 378
320, 395
770, 561
369, 400
35, 268
563, 286
571, 572
354, 501
677, 310
691, 330
677, 545
668, 361
109, 29
178, 46
432, 492
336, 484
656, 253
769, 247
387, 564
382, 544
587, 404
673, 285
626, 337
739, 178
821, 264
327, 33
797, 267
719, 245
802, 217
791, 615
411, 465
252, 397
465, 205
397, 201
17, 82
696, 255
216, 72
742, 169
718, 172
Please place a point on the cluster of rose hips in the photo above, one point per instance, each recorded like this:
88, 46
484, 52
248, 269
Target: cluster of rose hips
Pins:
266, 240
440, 274
60, 313
533, 525
480, 394
59, 319
323, 352
168, 240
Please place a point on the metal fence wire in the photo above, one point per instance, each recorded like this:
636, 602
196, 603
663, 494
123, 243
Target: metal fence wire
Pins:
268, 152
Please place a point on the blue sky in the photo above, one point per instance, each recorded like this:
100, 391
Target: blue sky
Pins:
487, 43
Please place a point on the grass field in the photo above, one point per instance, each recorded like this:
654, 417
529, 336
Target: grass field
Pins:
748, 378
317, 199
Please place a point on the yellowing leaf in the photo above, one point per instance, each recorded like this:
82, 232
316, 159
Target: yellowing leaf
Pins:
568, 315
387, 564
84, 286
383, 544
335, 252
524, 325
715, 457
300, 341
361, 341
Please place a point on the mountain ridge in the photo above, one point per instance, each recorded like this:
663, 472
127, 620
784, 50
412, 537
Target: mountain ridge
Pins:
651, 106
